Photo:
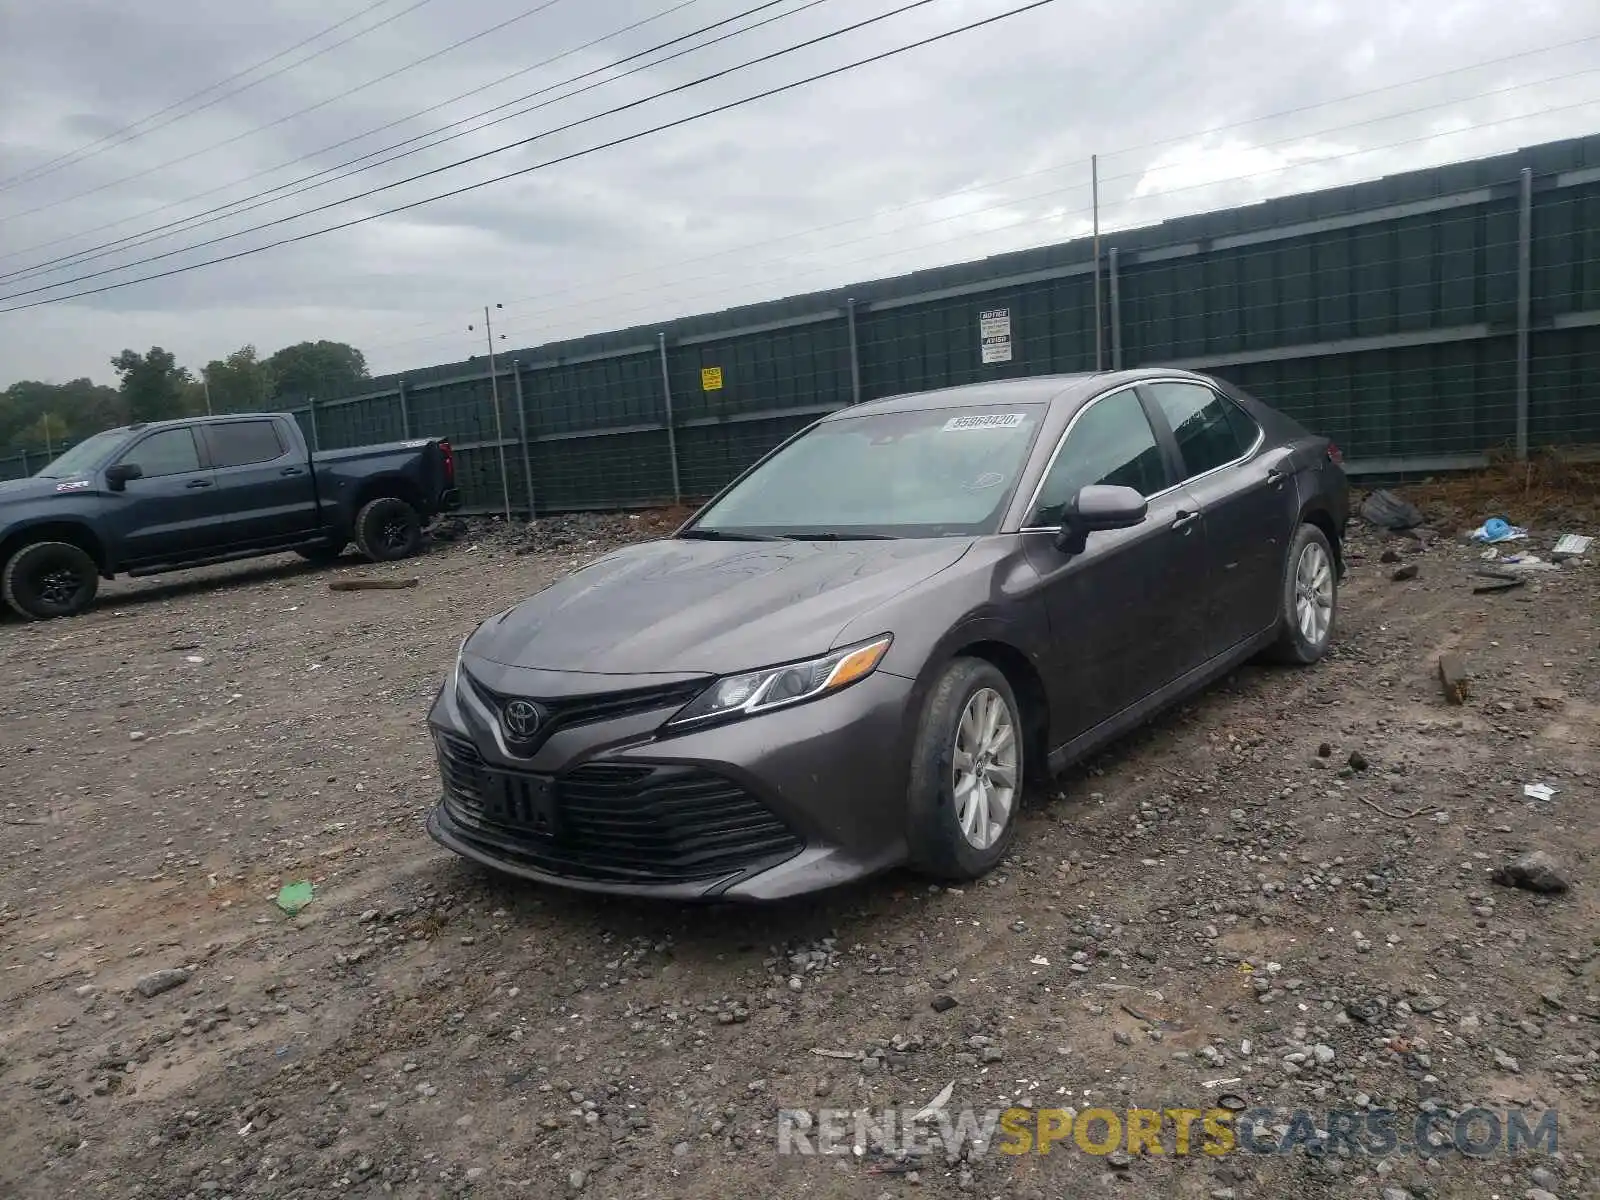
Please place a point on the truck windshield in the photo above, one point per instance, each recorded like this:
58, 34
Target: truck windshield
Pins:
931, 473
82, 458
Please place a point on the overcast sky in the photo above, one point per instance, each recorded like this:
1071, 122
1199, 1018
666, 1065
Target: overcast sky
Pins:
965, 148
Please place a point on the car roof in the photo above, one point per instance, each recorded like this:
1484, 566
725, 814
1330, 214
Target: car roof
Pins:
1035, 389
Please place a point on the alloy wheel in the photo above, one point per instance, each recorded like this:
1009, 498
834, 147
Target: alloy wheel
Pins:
1313, 593
57, 587
396, 534
984, 768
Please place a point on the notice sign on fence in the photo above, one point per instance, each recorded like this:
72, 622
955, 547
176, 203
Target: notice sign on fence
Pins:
994, 333
710, 379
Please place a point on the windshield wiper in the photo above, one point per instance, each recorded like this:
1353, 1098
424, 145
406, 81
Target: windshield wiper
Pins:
720, 535
833, 536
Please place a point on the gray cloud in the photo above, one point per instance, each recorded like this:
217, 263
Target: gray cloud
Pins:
848, 179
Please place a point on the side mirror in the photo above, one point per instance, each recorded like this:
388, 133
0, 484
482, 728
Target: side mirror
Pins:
118, 475
1099, 507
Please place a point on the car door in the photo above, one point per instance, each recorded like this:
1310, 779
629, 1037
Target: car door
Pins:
1246, 491
1126, 614
168, 514
264, 490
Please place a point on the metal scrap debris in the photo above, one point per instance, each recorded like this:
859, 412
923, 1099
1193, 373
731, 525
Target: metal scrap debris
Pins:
1571, 545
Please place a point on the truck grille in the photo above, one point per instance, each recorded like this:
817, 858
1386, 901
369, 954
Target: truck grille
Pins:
613, 822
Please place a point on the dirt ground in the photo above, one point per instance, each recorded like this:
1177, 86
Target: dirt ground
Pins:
1223, 896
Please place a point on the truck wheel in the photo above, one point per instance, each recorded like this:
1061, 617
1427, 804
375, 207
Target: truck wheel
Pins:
50, 579
388, 528
322, 555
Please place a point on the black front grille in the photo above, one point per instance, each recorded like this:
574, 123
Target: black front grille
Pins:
586, 710
613, 822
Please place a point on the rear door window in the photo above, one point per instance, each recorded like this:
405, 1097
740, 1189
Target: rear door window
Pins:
1210, 430
243, 443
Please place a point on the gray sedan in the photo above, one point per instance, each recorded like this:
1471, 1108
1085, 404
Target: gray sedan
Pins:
863, 650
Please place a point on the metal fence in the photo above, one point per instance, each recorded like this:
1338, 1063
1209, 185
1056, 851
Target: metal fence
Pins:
1423, 321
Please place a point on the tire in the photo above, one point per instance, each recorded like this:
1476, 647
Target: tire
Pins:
938, 843
322, 555
387, 529
50, 579
1311, 575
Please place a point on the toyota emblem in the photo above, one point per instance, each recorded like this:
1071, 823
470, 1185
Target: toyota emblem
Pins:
521, 719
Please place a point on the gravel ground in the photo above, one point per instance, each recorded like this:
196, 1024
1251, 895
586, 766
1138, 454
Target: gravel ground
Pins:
1286, 884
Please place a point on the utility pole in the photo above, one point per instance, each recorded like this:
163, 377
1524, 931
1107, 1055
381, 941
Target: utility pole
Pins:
205, 378
494, 396
1094, 200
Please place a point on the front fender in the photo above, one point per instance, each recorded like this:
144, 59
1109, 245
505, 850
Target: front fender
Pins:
75, 526
1005, 642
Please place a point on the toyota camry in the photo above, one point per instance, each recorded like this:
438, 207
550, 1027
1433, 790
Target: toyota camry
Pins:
863, 650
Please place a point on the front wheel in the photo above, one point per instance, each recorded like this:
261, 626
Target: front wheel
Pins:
1309, 597
50, 579
388, 528
966, 773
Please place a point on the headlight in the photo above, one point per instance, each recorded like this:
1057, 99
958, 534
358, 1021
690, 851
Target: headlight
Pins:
778, 687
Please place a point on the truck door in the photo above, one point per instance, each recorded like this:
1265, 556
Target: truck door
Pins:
168, 513
264, 487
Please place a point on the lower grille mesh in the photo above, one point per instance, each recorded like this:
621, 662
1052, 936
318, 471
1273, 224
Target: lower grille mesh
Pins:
613, 822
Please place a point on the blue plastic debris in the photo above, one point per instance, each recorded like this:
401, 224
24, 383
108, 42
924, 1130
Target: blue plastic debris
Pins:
1498, 529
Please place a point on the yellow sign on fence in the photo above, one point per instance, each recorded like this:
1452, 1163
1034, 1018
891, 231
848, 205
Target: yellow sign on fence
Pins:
710, 379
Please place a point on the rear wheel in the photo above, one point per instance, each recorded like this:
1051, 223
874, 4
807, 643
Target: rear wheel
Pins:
966, 773
388, 528
50, 579
1309, 598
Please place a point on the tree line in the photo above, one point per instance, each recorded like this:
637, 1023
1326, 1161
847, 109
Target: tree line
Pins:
153, 387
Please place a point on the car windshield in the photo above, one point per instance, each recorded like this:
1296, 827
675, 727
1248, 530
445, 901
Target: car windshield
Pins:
930, 473
82, 458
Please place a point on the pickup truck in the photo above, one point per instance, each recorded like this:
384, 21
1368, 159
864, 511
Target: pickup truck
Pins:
167, 495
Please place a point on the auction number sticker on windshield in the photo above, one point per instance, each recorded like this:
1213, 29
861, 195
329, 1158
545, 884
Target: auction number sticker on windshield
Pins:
984, 421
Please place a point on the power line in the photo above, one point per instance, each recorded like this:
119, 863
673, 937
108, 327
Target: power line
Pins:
238, 137
621, 108
97, 148
1172, 140
295, 161
966, 238
193, 221
312, 182
677, 282
618, 141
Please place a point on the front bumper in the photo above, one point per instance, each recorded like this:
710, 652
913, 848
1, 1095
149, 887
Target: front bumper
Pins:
820, 789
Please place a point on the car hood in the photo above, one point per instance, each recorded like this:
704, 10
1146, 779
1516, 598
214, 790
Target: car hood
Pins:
13, 491
686, 606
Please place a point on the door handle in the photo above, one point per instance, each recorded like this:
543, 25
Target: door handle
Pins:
1275, 476
1185, 519
291, 471
198, 483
